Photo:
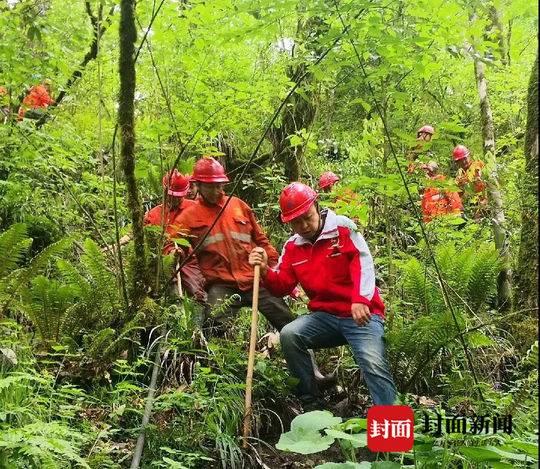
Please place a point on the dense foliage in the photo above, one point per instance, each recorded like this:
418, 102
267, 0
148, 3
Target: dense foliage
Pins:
77, 342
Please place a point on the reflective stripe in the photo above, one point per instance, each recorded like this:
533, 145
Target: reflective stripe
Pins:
213, 239
299, 262
246, 238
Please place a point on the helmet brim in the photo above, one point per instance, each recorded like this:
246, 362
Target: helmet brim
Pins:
178, 193
211, 179
299, 211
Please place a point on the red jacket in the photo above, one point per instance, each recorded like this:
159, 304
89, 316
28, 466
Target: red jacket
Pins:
223, 256
335, 271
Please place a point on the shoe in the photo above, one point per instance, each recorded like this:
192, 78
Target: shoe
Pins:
314, 404
325, 382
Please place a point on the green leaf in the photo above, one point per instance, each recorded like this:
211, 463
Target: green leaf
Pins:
479, 454
304, 441
344, 465
385, 465
358, 440
508, 454
315, 420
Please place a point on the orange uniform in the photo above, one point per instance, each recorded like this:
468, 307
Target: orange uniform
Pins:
154, 217
38, 97
192, 278
223, 256
473, 174
436, 202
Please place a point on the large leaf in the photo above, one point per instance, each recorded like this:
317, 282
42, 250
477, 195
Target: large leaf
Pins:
358, 440
315, 420
479, 454
304, 441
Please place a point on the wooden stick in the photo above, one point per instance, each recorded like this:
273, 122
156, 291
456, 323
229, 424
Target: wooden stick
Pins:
251, 357
179, 281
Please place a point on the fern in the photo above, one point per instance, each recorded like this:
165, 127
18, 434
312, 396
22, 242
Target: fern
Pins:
14, 243
48, 305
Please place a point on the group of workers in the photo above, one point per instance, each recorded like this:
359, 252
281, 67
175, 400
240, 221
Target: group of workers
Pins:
325, 256
436, 201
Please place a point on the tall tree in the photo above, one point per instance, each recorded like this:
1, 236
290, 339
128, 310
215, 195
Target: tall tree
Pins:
498, 220
527, 270
126, 124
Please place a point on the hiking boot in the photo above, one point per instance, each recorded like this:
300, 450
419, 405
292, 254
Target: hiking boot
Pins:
314, 404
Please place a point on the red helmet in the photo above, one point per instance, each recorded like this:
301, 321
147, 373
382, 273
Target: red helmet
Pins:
295, 200
207, 169
460, 152
327, 179
176, 183
426, 129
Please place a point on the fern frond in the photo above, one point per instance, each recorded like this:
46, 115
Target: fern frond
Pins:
14, 242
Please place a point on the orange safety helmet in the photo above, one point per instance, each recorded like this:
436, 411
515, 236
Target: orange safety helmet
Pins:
460, 152
327, 179
295, 200
176, 183
207, 169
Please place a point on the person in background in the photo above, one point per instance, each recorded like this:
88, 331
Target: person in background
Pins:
423, 135
327, 181
469, 179
38, 97
332, 263
438, 202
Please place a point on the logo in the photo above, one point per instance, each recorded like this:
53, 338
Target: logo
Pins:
390, 428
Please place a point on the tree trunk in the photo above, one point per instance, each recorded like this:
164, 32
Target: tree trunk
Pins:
498, 218
298, 114
126, 123
526, 291
498, 33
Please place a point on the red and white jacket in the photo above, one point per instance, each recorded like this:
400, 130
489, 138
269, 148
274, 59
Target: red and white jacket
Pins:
335, 271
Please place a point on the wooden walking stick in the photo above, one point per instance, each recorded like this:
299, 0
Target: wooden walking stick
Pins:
179, 281
251, 356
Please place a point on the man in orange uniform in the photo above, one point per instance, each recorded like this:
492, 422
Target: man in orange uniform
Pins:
470, 173
37, 98
225, 247
423, 135
437, 202
176, 186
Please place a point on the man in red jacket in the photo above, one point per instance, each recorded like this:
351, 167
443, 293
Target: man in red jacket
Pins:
224, 248
332, 263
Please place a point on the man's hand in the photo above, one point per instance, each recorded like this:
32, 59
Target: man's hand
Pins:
360, 313
258, 256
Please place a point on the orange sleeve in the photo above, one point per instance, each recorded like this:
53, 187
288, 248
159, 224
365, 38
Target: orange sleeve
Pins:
259, 237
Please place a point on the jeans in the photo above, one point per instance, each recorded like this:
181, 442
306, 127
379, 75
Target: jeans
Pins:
274, 309
322, 330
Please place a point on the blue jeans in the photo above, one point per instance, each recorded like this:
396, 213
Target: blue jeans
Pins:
323, 330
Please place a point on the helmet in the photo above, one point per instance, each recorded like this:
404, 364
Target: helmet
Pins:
176, 184
426, 129
207, 169
295, 200
460, 152
327, 179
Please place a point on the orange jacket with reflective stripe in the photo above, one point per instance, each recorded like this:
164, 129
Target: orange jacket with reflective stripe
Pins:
223, 256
